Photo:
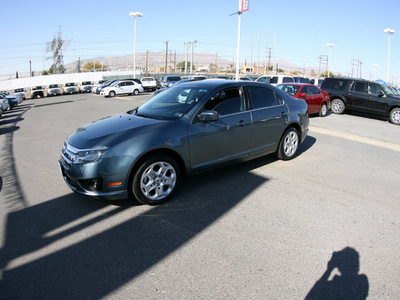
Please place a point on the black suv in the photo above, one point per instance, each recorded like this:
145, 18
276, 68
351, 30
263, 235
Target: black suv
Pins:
363, 96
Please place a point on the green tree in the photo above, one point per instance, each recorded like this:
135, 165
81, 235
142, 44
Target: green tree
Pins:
93, 67
181, 65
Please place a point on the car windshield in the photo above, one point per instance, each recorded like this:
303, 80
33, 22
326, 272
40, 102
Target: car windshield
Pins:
52, 86
147, 79
171, 104
36, 88
290, 89
70, 84
387, 90
86, 83
18, 90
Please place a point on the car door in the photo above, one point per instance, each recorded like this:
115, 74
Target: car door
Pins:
269, 115
119, 87
305, 94
375, 101
316, 99
224, 140
357, 95
129, 87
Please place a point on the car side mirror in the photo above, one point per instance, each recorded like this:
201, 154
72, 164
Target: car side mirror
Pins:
381, 94
303, 95
209, 115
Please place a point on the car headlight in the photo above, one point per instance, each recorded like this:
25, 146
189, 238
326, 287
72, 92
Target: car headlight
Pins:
82, 156
88, 156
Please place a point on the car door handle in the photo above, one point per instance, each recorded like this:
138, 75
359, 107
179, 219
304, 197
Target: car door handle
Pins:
241, 123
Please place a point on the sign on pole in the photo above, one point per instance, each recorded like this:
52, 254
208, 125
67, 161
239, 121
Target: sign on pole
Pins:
243, 5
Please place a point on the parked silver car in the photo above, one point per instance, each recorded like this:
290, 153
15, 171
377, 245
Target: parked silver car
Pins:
186, 129
5, 105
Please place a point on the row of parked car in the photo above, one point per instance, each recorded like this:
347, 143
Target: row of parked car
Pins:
8, 102
337, 94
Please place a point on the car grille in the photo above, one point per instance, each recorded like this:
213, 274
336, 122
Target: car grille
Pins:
68, 154
70, 90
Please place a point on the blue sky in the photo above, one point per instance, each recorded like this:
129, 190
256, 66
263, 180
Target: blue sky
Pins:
302, 29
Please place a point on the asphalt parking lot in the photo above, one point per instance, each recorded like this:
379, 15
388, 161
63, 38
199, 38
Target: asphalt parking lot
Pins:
265, 229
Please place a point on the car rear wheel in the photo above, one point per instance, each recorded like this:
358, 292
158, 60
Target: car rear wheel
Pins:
136, 92
111, 94
324, 110
289, 144
395, 116
337, 106
155, 180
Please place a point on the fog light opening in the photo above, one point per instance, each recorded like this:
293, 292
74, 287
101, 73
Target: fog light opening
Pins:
92, 185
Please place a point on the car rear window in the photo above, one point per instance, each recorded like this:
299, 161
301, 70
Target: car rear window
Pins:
334, 84
173, 78
287, 79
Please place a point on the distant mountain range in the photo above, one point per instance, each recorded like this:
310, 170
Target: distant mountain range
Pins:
154, 60
157, 60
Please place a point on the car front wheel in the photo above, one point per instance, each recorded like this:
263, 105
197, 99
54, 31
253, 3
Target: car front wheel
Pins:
111, 94
324, 110
156, 180
337, 106
136, 92
289, 144
395, 116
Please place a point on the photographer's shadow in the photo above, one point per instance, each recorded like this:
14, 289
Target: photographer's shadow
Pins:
348, 285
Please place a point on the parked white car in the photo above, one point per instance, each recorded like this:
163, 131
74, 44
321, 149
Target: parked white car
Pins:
149, 83
86, 87
53, 90
70, 88
121, 87
275, 79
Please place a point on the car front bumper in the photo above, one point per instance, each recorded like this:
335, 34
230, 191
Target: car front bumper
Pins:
103, 179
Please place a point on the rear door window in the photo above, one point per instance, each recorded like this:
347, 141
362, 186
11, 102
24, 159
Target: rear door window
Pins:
358, 87
261, 97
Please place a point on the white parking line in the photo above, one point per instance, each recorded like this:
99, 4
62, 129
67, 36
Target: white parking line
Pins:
356, 138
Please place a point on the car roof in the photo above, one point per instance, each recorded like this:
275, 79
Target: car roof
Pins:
296, 83
217, 83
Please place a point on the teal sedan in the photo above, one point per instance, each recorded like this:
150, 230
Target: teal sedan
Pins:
146, 153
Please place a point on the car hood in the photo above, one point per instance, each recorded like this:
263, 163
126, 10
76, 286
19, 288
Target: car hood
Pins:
111, 130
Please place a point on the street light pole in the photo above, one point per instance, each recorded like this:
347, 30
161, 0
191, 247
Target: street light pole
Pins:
135, 15
389, 32
329, 63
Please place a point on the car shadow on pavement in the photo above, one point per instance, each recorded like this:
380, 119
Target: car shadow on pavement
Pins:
54, 250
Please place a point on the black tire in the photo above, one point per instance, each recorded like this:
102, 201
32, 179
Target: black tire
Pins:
289, 144
395, 116
111, 94
155, 180
136, 92
337, 106
323, 110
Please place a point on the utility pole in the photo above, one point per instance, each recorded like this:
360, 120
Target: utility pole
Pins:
323, 60
166, 56
216, 55
191, 57
258, 59
251, 58
30, 68
175, 61
147, 61
186, 45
